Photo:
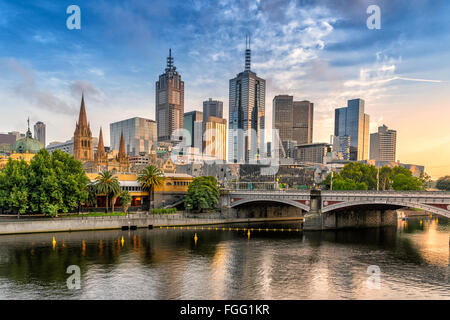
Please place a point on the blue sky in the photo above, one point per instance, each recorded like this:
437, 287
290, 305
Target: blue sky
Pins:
319, 50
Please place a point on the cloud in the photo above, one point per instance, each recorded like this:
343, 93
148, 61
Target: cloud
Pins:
77, 88
28, 89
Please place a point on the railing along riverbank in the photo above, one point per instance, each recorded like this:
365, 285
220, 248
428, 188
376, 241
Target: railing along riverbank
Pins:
142, 220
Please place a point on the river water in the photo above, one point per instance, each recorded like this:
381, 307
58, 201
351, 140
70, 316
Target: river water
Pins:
413, 262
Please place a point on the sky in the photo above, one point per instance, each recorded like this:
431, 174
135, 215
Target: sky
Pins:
315, 50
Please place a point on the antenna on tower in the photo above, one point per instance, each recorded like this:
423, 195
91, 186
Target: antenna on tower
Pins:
247, 53
170, 66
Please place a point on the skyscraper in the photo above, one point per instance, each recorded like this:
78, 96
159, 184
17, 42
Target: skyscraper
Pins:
193, 123
140, 135
351, 121
169, 101
293, 120
212, 108
82, 137
383, 144
39, 132
247, 93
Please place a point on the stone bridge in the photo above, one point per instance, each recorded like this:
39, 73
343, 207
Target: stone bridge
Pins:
321, 207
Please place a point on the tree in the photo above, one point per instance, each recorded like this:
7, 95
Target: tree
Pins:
443, 183
14, 186
425, 179
125, 200
107, 184
58, 183
203, 194
150, 178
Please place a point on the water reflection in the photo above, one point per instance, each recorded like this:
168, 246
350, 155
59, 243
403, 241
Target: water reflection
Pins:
231, 262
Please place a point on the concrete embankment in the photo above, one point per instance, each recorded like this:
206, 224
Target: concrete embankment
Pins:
22, 226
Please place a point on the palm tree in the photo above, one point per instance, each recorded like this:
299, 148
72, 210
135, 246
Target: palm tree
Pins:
150, 178
106, 183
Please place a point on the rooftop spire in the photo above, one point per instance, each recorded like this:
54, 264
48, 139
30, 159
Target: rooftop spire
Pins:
122, 146
28, 130
170, 66
82, 119
101, 154
247, 53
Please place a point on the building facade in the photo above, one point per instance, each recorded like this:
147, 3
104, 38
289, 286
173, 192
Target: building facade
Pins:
247, 94
140, 135
351, 121
293, 120
66, 147
39, 132
215, 143
193, 124
212, 108
383, 144
82, 138
313, 153
169, 101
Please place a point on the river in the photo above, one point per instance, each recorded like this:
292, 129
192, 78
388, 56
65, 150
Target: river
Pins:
279, 263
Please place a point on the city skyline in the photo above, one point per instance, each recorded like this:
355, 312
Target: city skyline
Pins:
383, 66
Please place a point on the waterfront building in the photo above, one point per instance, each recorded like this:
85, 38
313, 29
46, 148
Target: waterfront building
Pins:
212, 108
172, 191
215, 138
383, 144
82, 140
313, 152
39, 132
351, 121
247, 94
169, 102
140, 135
193, 124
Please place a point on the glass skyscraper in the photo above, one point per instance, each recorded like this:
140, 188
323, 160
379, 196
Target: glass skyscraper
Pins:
247, 94
193, 123
139, 134
351, 121
212, 108
39, 132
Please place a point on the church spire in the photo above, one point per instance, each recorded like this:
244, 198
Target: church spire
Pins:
101, 154
122, 152
82, 118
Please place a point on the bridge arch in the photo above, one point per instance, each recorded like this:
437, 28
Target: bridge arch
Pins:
392, 202
277, 201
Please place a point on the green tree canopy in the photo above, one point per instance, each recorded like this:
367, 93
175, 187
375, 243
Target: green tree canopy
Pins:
203, 194
49, 184
359, 176
443, 183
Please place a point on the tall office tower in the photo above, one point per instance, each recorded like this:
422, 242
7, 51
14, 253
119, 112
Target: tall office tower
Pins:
383, 144
215, 144
293, 120
212, 108
140, 135
247, 94
82, 138
353, 122
193, 123
169, 102
39, 132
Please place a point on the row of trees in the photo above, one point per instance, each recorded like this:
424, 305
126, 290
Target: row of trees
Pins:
358, 176
57, 183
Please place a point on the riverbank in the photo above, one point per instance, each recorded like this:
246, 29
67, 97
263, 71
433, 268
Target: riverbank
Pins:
46, 225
